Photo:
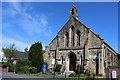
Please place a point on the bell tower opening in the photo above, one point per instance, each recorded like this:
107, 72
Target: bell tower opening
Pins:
73, 12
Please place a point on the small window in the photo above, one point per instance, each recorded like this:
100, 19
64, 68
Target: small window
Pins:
67, 39
72, 36
78, 38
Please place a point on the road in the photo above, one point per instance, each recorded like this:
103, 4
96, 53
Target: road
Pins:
13, 76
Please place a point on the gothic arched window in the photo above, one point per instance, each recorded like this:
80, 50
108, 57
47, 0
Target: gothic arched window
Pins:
61, 59
72, 35
78, 37
81, 59
67, 39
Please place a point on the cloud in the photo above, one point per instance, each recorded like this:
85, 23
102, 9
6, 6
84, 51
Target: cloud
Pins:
32, 24
18, 20
6, 41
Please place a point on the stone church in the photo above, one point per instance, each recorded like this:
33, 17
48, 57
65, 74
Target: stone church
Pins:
76, 44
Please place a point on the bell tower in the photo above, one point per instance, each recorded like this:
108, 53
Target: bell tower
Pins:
73, 12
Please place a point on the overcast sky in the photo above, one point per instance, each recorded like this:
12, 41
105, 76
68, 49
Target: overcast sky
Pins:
30, 22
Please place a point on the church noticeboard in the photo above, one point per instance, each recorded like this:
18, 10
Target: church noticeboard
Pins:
53, 61
114, 75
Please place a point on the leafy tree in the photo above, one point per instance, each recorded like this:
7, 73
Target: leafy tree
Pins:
10, 52
35, 55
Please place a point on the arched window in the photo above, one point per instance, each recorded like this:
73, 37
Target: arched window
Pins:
67, 39
78, 37
57, 40
61, 59
72, 36
81, 59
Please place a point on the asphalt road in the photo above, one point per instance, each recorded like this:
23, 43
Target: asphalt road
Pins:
13, 76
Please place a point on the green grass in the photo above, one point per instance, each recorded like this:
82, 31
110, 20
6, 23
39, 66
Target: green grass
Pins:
71, 78
40, 74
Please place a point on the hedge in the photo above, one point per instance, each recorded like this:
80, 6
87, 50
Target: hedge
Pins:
58, 67
6, 64
32, 70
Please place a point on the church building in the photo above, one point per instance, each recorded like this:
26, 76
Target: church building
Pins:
75, 44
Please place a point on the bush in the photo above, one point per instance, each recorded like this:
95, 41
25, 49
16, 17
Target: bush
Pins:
21, 66
46, 63
58, 67
79, 69
24, 69
24, 62
88, 71
90, 78
12, 67
73, 75
118, 77
6, 64
32, 70
0, 64
82, 75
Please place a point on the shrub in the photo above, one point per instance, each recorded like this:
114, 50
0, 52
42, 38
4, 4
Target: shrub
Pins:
6, 64
24, 62
89, 78
46, 63
12, 67
24, 69
32, 70
73, 75
88, 71
58, 72
79, 69
17, 69
58, 67
82, 75
21, 65
0, 64
118, 77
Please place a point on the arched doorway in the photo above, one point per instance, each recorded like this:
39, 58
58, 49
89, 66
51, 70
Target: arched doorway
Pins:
72, 61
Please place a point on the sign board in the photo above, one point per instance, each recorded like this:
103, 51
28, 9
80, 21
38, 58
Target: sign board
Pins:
53, 61
114, 75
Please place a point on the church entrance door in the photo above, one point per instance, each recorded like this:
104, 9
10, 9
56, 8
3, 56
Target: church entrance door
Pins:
72, 61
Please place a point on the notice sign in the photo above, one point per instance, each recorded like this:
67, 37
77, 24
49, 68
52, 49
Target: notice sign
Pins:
53, 61
114, 75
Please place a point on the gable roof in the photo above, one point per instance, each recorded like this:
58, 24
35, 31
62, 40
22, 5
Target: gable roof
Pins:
21, 55
78, 22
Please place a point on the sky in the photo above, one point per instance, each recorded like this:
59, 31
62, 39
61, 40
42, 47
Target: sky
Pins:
24, 23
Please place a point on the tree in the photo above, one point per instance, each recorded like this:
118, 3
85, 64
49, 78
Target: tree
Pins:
10, 52
35, 55
118, 55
